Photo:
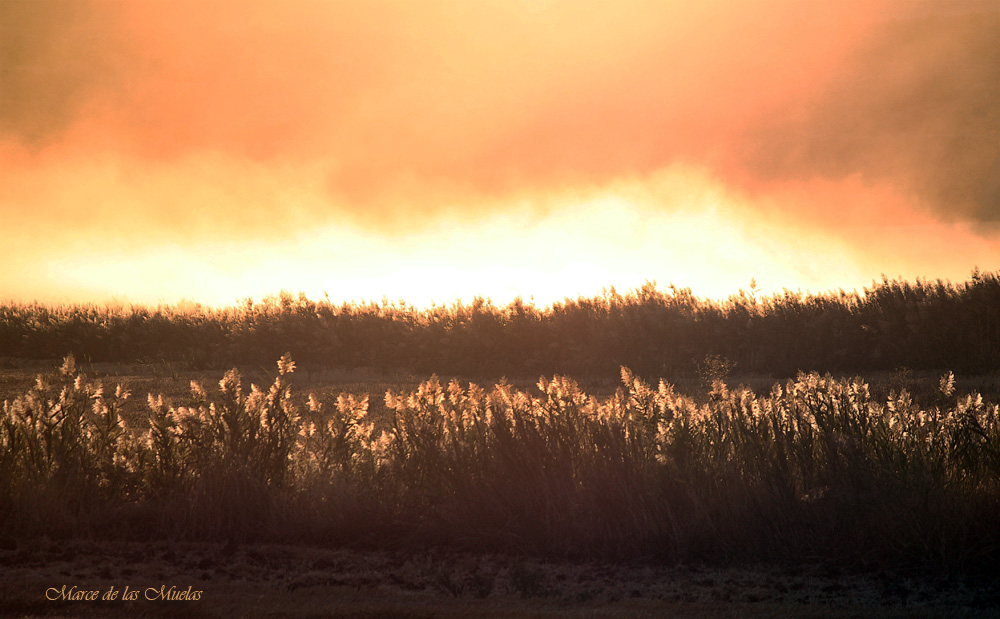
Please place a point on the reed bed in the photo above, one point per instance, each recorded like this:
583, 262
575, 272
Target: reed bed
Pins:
654, 331
815, 469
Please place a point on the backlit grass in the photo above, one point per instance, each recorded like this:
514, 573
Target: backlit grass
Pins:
816, 468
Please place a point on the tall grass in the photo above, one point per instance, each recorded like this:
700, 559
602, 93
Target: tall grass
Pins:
817, 468
656, 332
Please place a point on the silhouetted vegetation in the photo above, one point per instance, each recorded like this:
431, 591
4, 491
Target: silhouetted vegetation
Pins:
919, 325
817, 468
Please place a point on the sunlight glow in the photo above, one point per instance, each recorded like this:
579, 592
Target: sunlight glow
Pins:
620, 236
445, 150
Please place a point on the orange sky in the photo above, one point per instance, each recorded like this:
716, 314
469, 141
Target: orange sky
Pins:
429, 150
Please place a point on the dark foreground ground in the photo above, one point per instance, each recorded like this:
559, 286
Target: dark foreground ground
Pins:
284, 581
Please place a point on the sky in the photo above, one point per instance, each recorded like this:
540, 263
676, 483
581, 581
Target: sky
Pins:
435, 150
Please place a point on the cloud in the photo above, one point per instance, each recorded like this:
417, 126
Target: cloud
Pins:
490, 95
917, 106
153, 124
53, 58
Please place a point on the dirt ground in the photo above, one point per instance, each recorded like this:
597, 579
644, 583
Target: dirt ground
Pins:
40, 578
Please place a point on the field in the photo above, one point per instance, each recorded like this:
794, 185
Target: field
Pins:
278, 581
728, 487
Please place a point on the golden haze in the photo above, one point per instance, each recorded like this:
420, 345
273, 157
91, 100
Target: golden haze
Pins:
439, 150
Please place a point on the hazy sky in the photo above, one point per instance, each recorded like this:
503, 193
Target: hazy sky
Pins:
218, 149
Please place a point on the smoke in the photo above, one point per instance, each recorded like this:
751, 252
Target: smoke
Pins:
917, 107
179, 123
54, 58
500, 95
